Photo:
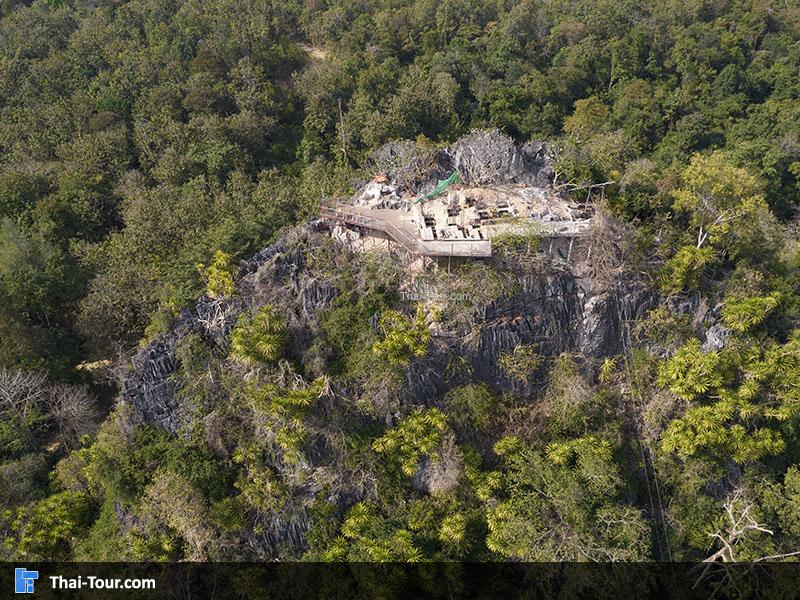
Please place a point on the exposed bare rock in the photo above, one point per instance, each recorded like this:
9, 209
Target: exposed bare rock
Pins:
554, 312
407, 165
277, 276
552, 307
716, 337
480, 157
489, 157
439, 474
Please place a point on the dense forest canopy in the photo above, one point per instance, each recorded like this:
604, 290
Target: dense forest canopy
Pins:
146, 146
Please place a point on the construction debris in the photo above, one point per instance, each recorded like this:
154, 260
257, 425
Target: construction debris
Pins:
454, 201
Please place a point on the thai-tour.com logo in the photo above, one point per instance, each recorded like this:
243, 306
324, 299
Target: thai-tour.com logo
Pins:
24, 580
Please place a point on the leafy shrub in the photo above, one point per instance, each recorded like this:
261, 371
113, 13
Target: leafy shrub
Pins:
521, 363
416, 436
404, 338
259, 337
691, 372
49, 528
563, 506
220, 275
367, 535
743, 395
682, 272
472, 405
743, 314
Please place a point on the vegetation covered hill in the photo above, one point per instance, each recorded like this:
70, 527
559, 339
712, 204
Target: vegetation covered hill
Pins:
147, 146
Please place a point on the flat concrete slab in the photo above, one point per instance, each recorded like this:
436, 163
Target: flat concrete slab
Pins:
399, 226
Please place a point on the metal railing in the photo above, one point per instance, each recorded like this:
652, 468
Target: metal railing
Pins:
465, 247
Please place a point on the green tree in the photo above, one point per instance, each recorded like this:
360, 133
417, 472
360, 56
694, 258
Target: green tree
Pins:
220, 275
48, 529
259, 337
743, 314
724, 205
683, 271
740, 397
566, 505
418, 435
403, 339
367, 536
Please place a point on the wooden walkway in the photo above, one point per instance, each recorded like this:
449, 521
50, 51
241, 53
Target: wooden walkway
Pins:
398, 226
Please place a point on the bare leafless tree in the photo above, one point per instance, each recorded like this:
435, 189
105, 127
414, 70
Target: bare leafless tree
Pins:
404, 163
605, 249
21, 396
486, 157
74, 410
28, 399
740, 522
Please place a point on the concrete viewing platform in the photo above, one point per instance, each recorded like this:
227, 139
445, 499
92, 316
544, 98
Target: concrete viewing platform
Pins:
398, 226
460, 221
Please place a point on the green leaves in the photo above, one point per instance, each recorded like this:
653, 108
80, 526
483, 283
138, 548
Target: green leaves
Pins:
373, 538
453, 529
743, 314
727, 215
520, 363
710, 427
564, 453
220, 275
744, 395
691, 372
47, 529
724, 205
35, 274
562, 506
682, 271
259, 337
403, 338
418, 435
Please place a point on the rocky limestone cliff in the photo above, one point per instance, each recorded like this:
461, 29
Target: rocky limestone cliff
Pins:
555, 310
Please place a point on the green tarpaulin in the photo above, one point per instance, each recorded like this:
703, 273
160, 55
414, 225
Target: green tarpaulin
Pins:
441, 186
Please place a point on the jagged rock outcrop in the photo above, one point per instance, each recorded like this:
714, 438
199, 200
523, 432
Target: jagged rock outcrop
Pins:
480, 157
276, 275
716, 337
489, 157
554, 312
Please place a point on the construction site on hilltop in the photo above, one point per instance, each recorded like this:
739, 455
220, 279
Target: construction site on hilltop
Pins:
452, 202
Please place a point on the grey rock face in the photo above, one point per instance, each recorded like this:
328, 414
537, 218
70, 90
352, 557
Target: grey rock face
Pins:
442, 474
716, 338
554, 312
148, 386
489, 157
275, 276
480, 157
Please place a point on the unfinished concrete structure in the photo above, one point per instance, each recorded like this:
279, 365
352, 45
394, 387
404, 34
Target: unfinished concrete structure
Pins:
509, 192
